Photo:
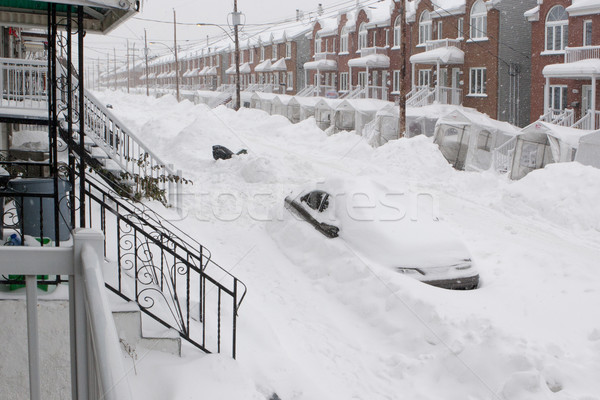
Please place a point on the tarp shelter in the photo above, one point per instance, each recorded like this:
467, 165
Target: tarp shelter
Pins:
262, 101
301, 108
588, 152
468, 138
384, 127
354, 114
324, 111
280, 105
542, 143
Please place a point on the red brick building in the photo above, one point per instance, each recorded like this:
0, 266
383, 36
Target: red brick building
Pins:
565, 60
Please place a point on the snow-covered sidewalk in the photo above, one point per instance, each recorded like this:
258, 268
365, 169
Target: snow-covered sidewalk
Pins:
320, 323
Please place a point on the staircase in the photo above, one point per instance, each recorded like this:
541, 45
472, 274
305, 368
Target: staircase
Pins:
420, 96
168, 276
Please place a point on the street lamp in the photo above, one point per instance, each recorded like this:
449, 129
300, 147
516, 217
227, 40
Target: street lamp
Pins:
176, 66
236, 22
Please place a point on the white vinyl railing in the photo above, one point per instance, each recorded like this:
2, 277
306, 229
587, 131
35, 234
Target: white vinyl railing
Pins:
325, 56
503, 156
442, 43
23, 83
97, 370
574, 54
564, 117
448, 95
367, 51
586, 121
420, 96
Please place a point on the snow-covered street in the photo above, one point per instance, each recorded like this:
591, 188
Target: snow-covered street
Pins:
321, 322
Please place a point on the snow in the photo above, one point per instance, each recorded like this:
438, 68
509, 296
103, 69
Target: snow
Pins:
322, 322
323, 65
372, 61
444, 55
577, 69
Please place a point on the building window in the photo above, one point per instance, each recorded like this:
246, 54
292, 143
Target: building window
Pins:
318, 42
397, 32
362, 79
461, 27
425, 27
558, 97
343, 81
288, 50
557, 29
344, 41
387, 38
241, 57
587, 33
477, 84
478, 20
251, 55
274, 52
424, 77
262, 53
362, 36
396, 82
374, 41
290, 80
440, 36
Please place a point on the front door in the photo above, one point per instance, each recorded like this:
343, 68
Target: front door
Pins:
586, 99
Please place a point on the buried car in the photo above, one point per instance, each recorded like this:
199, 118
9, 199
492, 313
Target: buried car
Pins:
395, 229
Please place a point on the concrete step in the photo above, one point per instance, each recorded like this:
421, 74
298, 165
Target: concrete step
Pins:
137, 329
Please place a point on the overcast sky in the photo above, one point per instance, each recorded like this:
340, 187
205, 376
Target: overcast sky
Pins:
256, 12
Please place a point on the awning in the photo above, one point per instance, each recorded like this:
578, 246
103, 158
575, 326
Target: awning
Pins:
583, 69
279, 65
203, 71
321, 65
162, 75
264, 66
151, 75
171, 74
143, 77
244, 69
442, 55
371, 61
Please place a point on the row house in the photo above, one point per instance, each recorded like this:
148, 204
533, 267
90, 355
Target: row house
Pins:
465, 52
566, 62
458, 52
351, 53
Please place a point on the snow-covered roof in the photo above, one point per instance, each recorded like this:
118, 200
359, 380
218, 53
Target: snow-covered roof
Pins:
443, 55
578, 69
371, 61
471, 116
321, 65
264, 66
364, 106
244, 69
570, 136
448, 7
329, 26
279, 65
583, 7
379, 14
533, 14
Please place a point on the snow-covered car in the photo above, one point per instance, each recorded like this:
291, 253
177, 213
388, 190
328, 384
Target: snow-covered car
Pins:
390, 228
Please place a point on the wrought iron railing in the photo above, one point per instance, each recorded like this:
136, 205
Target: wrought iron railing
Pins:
170, 275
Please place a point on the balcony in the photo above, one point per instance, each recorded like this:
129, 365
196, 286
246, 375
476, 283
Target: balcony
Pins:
367, 51
574, 54
325, 56
442, 44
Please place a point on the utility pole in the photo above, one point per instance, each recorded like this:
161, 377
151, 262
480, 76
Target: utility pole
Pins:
107, 71
236, 22
176, 61
127, 65
98, 74
403, 39
115, 66
146, 53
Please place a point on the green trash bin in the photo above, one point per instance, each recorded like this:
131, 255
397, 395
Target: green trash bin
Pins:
28, 208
